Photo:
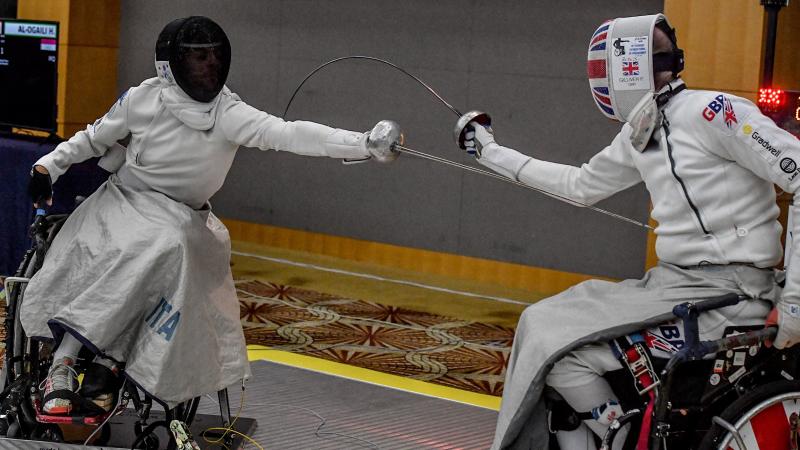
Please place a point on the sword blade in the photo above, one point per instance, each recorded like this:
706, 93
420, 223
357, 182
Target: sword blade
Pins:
429, 157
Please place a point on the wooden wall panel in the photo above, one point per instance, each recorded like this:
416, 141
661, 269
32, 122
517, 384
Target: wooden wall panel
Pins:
96, 23
91, 86
722, 40
787, 51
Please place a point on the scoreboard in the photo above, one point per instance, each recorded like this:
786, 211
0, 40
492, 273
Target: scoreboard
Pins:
28, 74
781, 106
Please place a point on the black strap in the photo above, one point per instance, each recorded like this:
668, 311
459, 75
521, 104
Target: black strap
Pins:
664, 97
563, 417
79, 404
675, 59
149, 430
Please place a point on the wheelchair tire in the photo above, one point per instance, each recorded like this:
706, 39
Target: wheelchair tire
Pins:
761, 417
47, 432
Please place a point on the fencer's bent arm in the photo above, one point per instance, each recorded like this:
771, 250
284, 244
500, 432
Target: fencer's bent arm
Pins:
94, 141
607, 173
251, 127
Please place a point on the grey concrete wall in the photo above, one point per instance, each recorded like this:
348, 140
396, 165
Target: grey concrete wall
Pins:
523, 62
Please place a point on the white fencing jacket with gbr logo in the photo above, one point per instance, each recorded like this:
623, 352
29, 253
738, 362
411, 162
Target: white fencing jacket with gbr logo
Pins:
710, 179
710, 170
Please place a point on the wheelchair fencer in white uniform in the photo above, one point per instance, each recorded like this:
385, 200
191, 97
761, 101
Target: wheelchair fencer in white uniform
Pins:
709, 161
140, 273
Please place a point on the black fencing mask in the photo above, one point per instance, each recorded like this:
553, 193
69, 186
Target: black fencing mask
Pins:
195, 53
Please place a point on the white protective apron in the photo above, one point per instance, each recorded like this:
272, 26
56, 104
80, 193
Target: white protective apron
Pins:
144, 280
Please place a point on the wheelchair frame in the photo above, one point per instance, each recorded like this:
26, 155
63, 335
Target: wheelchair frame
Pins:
721, 432
23, 367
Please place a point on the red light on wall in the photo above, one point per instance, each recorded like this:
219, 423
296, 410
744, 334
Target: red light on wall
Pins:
782, 106
771, 99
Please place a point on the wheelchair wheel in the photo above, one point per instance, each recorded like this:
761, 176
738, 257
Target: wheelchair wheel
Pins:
47, 432
762, 417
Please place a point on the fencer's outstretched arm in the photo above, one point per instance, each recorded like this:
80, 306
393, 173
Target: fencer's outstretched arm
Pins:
607, 173
94, 141
251, 127
756, 143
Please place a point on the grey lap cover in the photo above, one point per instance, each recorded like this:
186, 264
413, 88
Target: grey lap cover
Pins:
145, 280
596, 311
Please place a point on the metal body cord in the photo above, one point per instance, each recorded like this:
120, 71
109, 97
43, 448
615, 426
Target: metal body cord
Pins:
423, 155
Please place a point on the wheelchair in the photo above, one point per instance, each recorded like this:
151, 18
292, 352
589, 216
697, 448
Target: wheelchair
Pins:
26, 364
734, 393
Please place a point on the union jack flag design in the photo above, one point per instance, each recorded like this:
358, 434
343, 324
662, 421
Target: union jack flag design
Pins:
597, 70
730, 115
630, 68
661, 347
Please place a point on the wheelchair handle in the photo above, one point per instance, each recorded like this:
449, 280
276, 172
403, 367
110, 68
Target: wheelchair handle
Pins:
39, 223
721, 301
709, 348
740, 340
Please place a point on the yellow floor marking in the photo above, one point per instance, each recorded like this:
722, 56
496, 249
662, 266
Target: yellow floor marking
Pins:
260, 352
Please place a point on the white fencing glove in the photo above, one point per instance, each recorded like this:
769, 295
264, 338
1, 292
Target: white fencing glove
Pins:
477, 137
479, 141
788, 320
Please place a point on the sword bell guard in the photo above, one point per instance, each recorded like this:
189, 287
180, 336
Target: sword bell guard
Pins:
461, 125
381, 140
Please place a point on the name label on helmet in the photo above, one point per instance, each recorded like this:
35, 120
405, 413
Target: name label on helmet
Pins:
630, 63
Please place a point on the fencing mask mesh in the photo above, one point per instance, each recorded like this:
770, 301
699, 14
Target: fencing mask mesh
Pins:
195, 53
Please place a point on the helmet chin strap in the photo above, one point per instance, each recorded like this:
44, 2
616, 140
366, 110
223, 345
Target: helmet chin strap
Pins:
398, 147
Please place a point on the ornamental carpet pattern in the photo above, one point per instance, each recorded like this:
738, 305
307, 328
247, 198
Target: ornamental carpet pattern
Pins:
462, 354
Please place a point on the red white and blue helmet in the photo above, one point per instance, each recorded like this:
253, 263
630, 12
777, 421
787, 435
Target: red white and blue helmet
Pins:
620, 63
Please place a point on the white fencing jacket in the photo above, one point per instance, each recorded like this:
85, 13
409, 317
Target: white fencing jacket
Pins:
184, 148
710, 178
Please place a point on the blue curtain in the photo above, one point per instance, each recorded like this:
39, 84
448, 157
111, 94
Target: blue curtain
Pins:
17, 155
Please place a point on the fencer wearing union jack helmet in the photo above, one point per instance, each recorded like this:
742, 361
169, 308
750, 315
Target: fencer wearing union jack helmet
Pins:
621, 63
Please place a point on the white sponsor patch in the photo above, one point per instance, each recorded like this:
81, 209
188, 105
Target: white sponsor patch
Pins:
735, 375
630, 63
760, 143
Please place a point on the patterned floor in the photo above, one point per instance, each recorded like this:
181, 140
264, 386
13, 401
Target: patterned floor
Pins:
461, 354
443, 350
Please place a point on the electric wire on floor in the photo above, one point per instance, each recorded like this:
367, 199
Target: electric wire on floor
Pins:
317, 432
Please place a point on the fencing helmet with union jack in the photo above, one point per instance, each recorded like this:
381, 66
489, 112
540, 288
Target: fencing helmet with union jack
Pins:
621, 63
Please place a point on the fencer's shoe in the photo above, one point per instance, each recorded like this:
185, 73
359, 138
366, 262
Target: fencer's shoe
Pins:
101, 383
61, 382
